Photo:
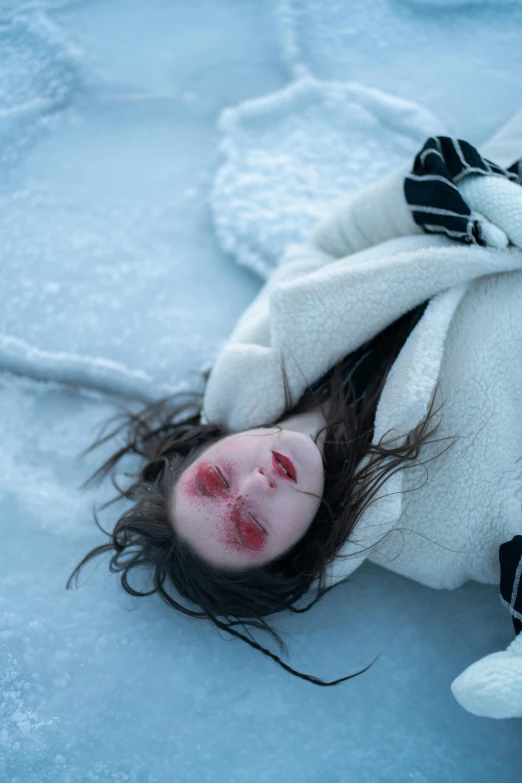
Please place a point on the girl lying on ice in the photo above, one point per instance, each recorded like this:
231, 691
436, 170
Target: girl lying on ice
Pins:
368, 404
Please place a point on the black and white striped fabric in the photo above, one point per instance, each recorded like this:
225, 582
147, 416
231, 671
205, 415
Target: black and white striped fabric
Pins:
431, 188
510, 556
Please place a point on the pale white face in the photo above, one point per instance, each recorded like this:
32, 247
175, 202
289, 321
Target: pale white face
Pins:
238, 509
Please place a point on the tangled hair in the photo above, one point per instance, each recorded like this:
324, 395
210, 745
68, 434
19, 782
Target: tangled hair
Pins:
169, 437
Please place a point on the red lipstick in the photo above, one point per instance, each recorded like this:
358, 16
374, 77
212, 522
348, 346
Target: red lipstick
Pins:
287, 464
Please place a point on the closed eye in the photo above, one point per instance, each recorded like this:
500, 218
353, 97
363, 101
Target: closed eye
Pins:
225, 482
262, 527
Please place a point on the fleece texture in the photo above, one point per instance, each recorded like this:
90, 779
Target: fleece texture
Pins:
441, 522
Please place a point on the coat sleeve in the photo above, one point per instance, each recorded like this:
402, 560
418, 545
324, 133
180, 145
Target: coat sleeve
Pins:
248, 353
369, 216
379, 211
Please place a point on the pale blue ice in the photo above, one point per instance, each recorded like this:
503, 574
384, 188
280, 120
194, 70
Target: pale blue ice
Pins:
155, 158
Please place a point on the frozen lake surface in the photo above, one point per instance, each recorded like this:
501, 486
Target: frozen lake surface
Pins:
155, 159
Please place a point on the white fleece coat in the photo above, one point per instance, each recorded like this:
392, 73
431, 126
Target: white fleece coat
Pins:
363, 268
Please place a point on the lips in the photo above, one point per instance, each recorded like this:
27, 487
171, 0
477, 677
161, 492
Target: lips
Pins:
287, 464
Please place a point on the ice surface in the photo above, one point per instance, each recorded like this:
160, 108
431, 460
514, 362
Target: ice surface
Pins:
107, 204
288, 156
135, 138
461, 59
38, 75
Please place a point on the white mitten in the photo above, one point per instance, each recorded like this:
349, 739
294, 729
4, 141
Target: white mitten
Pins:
492, 687
497, 199
493, 235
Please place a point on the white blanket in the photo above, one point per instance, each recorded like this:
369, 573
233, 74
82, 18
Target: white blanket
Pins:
363, 268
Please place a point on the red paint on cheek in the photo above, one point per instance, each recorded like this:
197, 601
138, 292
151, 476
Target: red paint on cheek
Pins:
250, 534
210, 480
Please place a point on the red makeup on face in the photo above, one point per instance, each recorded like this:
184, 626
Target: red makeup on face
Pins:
240, 529
237, 505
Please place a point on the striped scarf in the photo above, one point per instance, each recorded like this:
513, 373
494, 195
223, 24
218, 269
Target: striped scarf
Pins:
431, 191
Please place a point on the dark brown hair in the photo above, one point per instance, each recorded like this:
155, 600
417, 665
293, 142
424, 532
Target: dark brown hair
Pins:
168, 436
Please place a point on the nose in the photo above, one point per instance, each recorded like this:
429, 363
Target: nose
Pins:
262, 479
266, 475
